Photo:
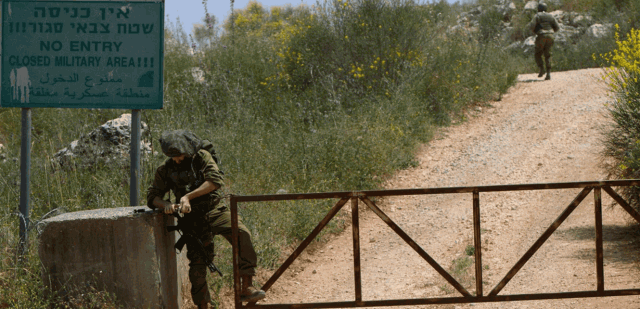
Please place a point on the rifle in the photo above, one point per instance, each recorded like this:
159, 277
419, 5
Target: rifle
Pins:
186, 235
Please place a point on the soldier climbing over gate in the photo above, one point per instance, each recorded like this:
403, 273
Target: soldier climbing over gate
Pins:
192, 174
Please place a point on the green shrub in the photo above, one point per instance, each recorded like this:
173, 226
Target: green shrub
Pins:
579, 55
622, 136
470, 250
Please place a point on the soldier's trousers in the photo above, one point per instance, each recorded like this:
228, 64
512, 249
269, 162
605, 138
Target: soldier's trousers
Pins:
544, 42
216, 223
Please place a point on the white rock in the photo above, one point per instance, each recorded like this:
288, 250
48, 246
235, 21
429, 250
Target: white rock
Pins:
198, 74
531, 6
514, 46
582, 21
567, 34
599, 31
558, 15
529, 44
108, 143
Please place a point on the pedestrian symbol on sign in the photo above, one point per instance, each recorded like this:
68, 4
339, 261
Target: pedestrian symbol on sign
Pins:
20, 84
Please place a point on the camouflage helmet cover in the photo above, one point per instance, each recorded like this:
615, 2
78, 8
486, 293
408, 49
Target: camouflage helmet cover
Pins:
179, 142
542, 7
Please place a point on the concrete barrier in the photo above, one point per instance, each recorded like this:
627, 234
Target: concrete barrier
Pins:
115, 250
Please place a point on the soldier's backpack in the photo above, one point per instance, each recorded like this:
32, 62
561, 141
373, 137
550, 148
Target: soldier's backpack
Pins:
208, 146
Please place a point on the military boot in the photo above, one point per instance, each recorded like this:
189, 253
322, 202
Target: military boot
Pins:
541, 72
250, 293
203, 305
548, 75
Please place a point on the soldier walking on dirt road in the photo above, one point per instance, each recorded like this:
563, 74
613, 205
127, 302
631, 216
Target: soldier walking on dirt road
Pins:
543, 25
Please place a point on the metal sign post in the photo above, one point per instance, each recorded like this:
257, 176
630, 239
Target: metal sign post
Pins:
25, 166
81, 54
135, 157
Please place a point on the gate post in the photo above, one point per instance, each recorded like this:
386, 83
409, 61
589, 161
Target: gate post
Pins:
597, 194
233, 204
477, 241
356, 248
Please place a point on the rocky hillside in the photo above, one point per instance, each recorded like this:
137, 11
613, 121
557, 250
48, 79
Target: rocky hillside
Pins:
511, 17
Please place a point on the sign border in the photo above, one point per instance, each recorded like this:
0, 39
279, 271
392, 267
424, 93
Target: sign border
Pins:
156, 105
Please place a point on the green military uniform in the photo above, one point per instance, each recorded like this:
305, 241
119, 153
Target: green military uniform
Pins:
543, 25
209, 215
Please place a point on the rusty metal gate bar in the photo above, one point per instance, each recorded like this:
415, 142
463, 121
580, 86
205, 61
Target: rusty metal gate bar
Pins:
416, 247
234, 222
540, 241
493, 296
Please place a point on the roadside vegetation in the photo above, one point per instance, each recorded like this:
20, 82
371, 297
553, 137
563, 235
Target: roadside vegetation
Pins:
622, 134
331, 97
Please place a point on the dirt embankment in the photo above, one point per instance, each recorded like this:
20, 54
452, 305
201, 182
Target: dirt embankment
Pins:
541, 131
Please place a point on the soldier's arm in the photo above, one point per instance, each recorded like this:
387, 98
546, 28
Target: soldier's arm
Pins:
204, 188
158, 189
533, 23
210, 169
166, 206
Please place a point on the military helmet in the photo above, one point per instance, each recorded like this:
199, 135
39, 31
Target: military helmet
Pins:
542, 7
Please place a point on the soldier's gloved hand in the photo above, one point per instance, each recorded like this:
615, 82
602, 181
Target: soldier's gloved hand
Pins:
185, 205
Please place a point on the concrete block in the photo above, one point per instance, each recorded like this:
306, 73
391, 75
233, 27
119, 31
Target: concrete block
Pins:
116, 250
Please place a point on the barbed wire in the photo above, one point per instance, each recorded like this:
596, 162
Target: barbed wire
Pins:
37, 224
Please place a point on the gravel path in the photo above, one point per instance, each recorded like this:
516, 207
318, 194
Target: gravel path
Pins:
541, 131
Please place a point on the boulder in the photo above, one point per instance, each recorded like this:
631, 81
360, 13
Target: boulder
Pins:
529, 44
476, 11
515, 46
599, 31
109, 143
197, 74
567, 18
582, 21
459, 30
506, 31
568, 34
559, 16
531, 7
461, 22
506, 10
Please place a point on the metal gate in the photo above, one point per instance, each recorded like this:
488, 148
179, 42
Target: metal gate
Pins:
465, 296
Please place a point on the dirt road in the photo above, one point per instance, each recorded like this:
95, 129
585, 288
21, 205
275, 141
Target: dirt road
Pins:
541, 131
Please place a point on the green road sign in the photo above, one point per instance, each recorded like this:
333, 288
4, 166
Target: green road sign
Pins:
82, 54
